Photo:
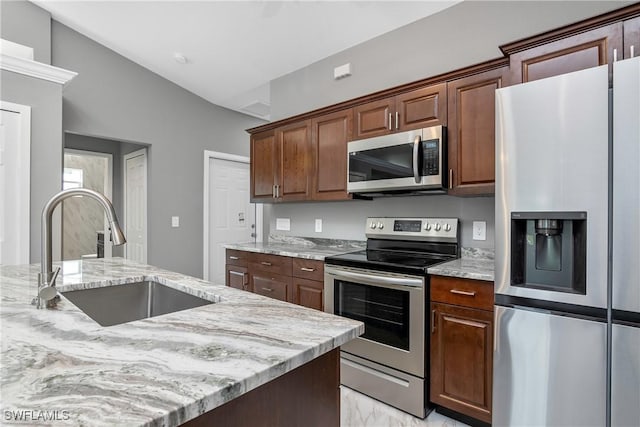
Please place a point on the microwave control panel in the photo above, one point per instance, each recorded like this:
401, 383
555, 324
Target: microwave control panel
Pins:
431, 157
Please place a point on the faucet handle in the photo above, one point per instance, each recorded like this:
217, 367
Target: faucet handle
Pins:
48, 291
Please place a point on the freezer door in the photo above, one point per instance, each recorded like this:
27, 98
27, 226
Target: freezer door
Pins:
552, 156
626, 185
625, 376
548, 370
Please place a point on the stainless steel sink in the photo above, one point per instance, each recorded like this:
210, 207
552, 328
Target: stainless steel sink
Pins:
113, 305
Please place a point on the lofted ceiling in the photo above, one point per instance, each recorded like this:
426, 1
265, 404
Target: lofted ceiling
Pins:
227, 52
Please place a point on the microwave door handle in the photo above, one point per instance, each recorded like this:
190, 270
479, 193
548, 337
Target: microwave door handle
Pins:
416, 149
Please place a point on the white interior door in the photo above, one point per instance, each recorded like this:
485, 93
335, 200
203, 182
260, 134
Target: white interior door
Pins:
135, 206
15, 142
229, 216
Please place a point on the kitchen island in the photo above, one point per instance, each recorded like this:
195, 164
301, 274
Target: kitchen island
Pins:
164, 370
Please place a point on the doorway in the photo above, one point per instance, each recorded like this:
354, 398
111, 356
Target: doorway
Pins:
15, 156
135, 205
85, 229
229, 216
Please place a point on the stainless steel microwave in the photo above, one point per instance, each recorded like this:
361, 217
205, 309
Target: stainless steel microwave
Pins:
413, 161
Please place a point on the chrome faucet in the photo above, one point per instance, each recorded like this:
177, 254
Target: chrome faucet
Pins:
47, 277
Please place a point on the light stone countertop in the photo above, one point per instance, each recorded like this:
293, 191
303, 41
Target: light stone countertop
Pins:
300, 247
475, 264
162, 370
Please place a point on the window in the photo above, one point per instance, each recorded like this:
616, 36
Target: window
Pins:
71, 178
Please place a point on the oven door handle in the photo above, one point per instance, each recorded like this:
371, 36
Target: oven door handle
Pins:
376, 279
416, 166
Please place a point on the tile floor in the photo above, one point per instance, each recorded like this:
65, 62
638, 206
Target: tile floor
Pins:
358, 410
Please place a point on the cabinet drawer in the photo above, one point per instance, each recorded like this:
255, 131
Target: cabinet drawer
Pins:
308, 269
237, 277
464, 292
272, 263
271, 285
239, 258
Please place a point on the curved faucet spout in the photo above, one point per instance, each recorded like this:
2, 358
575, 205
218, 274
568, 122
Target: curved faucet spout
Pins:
47, 274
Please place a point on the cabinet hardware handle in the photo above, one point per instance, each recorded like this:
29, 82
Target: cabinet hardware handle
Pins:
237, 273
631, 51
450, 178
465, 293
390, 120
307, 269
615, 55
397, 120
433, 321
268, 264
233, 257
267, 289
277, 191
273, 191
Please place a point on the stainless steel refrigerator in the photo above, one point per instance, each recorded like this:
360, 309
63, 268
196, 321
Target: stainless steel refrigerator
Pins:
566, 352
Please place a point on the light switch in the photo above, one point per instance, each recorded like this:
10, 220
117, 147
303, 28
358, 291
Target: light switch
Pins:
479, 230
318, 225
175, 221
283, 224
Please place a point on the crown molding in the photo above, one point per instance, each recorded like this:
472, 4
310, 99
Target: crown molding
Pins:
36, 69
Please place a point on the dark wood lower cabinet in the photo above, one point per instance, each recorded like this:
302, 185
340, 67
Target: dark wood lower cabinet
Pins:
308, 293
307, 396
462, 359
237, 277
271, 285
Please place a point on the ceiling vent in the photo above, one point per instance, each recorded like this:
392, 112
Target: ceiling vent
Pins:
257, 108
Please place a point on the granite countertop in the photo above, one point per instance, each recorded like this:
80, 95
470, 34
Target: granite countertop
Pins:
474, 263
162, 370
300, 247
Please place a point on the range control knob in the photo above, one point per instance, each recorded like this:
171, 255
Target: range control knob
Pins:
427, 227
447, 227
437, 227
372, 225
380, 225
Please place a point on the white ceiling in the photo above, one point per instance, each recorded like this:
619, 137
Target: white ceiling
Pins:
234, 48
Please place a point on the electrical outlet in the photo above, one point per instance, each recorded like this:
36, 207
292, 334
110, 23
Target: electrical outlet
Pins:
479, 230
318, 225
283, 224
175, 221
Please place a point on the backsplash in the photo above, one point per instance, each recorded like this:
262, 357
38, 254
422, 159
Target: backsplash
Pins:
346, 220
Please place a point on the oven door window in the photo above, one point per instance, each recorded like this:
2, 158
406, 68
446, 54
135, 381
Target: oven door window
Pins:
385, 312
381, 163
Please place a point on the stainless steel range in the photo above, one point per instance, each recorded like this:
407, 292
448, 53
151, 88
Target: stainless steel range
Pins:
386, 287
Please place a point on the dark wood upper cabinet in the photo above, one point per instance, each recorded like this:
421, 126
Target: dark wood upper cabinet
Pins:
415, 109
264, 166
577, 52
329, 136
373, 118
631, 37
294, 141
421, 108
471, 132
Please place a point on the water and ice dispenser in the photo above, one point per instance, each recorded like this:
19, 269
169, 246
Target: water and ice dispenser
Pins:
549, 250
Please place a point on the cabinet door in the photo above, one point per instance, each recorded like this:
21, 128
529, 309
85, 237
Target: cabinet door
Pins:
308, 293
295, 162
631, 37
421, 108
373, 118
471, 132
237, 277
462, 359
329, 135
578, 52
264, 166
271, 285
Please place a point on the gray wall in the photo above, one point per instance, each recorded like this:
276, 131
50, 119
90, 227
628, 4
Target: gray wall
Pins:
115, 98
346, 220
463, 35
24, 23
45, 99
